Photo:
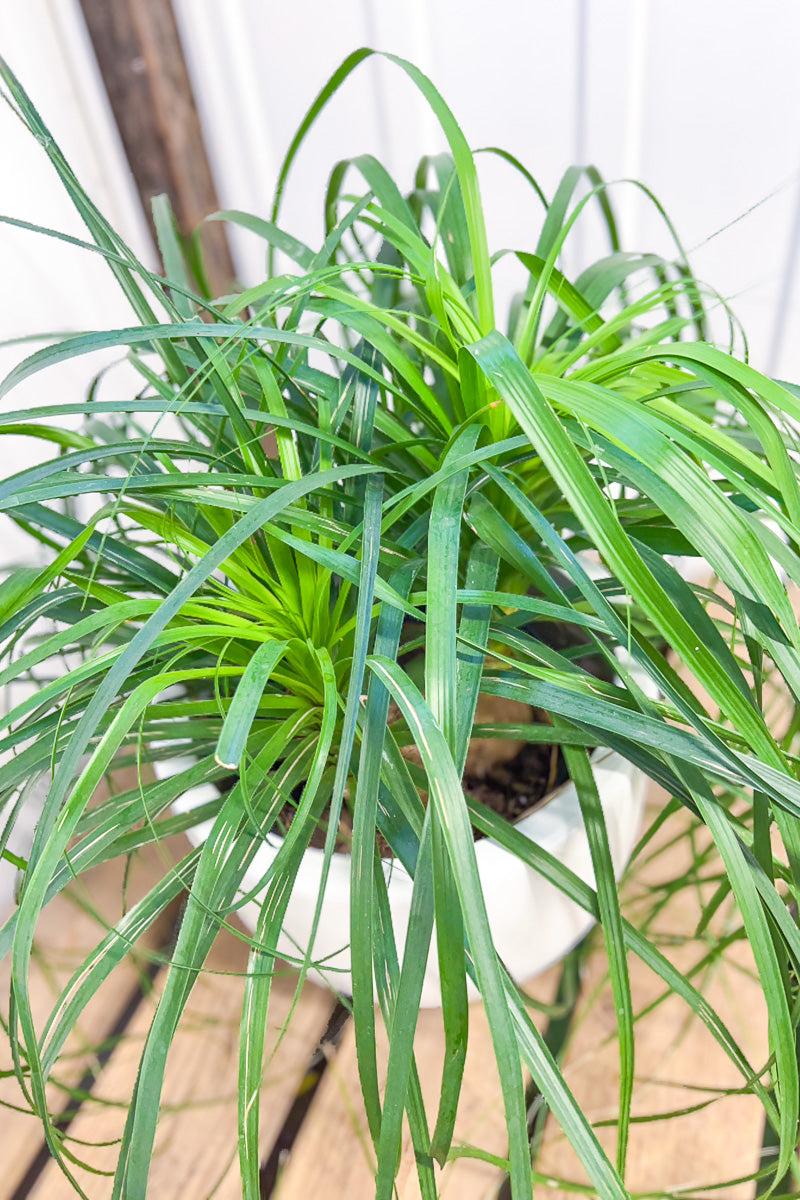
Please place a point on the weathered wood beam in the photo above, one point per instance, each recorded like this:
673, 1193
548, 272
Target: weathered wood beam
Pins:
141, 60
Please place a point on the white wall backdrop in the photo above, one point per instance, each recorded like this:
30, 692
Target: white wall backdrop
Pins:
47, 285
699, 98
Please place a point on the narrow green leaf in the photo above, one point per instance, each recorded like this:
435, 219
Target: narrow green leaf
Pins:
447, 796
580, 771
241, 713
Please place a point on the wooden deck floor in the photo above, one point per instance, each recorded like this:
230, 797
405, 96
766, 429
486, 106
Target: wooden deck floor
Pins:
329, 1152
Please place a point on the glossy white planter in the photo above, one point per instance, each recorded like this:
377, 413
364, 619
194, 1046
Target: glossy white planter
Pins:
532, 922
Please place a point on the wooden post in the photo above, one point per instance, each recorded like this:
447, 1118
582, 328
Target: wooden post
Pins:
141, 60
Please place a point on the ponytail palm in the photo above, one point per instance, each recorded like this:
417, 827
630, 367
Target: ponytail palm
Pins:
350, 467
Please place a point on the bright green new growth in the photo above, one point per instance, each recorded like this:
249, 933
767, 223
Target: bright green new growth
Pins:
435, 485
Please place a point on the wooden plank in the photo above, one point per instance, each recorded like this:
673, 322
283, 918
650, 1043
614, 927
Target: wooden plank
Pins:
333, 1153
678, 1062
196, 1144
70, 928
333, 1156
141, 60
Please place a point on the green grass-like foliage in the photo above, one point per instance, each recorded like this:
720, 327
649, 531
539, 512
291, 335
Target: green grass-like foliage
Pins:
431, 486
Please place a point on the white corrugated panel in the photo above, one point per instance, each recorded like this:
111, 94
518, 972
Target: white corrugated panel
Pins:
698, 100
48, 285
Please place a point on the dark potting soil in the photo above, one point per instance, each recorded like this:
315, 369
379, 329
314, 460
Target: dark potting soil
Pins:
510, 778
511, 787
514, 787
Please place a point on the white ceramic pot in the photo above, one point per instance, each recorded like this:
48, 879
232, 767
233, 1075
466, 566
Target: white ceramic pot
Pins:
532, 922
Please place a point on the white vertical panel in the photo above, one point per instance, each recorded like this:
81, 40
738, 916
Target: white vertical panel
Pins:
783, 357
577, 253
581, 80
47, 46
411, 128
611, 90
721, 94
255, 69
47, 285
92, 131
636, 72
508, 74
694, 98
225, 69
509, 78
